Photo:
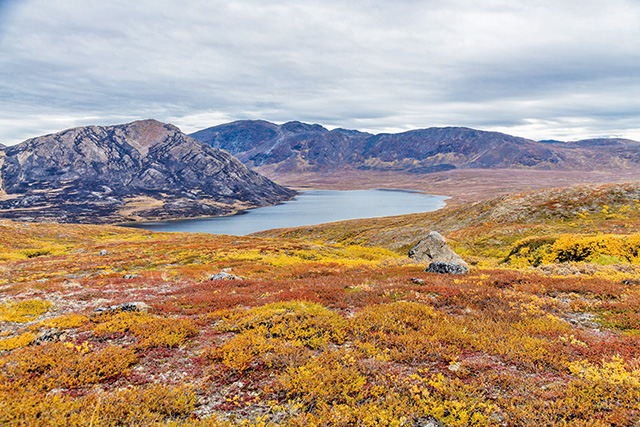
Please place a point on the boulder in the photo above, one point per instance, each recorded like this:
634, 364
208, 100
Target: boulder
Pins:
434, 248
224, 276
444, 267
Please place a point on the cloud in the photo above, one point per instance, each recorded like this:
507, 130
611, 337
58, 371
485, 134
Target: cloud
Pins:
545, 69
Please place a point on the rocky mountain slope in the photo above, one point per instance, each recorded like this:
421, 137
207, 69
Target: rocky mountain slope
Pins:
141, 170
298, 147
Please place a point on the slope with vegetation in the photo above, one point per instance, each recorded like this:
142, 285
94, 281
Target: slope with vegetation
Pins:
488, 231
319, 333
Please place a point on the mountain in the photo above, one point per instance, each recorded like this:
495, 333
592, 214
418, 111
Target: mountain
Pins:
298, 147
291, 146
140, 170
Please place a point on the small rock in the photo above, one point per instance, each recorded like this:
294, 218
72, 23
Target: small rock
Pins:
224, 276
417, 281
444, 267
127, 306
130, 276
50, 336
628, 282
104, 252
427, 422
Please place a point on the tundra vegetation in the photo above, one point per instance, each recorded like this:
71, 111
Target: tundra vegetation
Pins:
328, 328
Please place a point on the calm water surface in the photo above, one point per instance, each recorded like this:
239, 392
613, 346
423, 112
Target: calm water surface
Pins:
309, 208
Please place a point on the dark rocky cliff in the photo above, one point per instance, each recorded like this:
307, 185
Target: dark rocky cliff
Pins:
141, 170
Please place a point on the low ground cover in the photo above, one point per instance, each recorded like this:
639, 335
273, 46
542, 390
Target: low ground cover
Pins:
315, 333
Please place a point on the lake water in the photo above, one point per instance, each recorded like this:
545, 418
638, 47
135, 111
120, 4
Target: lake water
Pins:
308, 208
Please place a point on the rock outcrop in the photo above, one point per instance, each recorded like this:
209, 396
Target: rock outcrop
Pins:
136, 171
434, 248
443, 267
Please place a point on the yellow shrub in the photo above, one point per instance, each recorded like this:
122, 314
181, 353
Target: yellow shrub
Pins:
406, 332
137, 406
66, 322
602, 249
21, 340
614, 371
55, 365
276, 334
23, 311
309, 324
153, 331
164, 332
333, 377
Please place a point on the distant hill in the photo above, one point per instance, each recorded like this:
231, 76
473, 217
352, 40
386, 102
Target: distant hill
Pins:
140, 170
298, 147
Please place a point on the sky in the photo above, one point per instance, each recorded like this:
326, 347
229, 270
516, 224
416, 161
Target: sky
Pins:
544, 69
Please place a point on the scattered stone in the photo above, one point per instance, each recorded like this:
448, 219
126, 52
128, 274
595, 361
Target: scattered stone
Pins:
224, 276
130, 276
444, 267
434, 248
427, 422
127, 306
628, 282
50, 336
454, 367
417, 281
104, 252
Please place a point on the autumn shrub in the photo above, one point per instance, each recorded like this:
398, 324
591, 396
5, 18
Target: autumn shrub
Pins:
335, 389
18, 341
135, 406
309, 324
532, 250
23, 311
605, 393
66, 365
66, 322
152, 331
406, 332
277, 334
602, 249
333, 377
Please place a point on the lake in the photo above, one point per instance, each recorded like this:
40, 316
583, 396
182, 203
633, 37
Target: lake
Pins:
308, 208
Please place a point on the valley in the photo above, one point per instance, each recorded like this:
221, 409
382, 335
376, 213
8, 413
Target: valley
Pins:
318, 325
330, 325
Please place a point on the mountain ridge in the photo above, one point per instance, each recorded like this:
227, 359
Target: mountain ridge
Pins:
135, 171
295, 147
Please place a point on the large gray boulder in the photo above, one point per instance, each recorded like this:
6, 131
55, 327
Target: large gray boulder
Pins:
434, 248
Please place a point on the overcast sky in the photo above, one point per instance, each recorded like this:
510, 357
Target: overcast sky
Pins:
563, 69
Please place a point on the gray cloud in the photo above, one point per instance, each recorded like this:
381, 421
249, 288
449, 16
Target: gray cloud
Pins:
546, 69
